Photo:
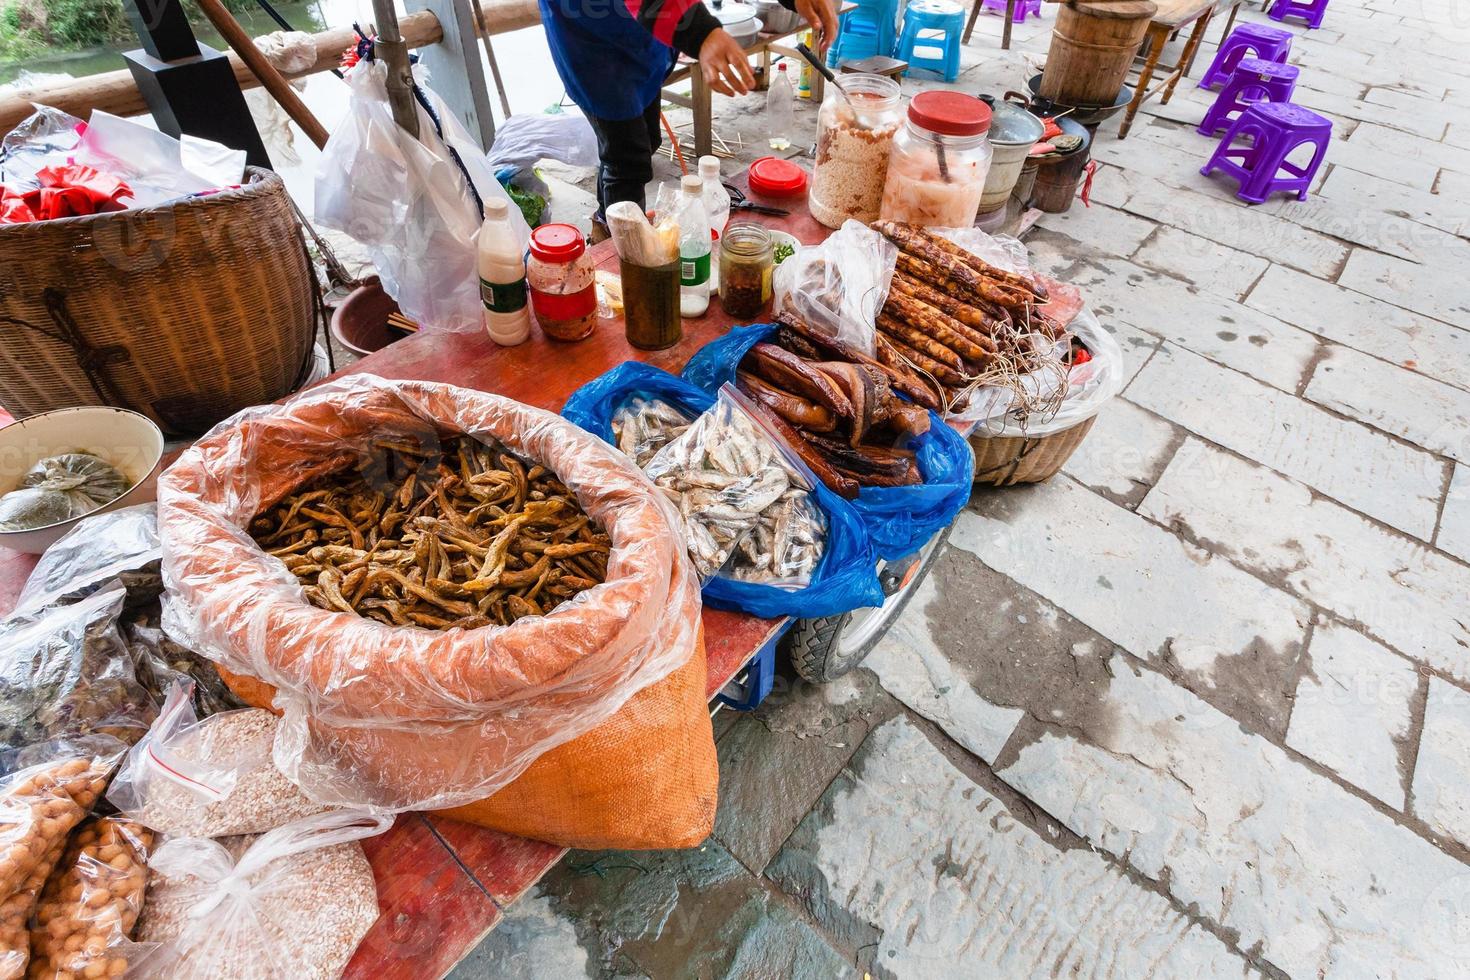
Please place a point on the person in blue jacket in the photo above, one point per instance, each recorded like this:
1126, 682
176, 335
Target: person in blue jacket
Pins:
613, 56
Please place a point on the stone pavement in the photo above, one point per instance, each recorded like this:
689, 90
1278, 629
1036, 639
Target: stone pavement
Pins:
1199, 706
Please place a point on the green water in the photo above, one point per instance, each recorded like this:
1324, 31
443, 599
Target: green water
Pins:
304, 15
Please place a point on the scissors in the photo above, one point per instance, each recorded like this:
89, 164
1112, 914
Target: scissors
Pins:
738, 202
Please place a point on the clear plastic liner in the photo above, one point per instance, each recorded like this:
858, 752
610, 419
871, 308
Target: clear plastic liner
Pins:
737, 489
839, 286
95, 551
59, 488
643, 426
405, 718
291, 903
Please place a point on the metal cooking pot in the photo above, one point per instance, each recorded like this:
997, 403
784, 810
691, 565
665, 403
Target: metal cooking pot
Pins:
737, 18
776, 19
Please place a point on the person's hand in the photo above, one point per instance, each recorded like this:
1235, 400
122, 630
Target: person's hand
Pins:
822, 16
725, 64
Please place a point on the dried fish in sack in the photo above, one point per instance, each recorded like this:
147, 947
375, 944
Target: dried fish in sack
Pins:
740, 496
459, 535
643, 426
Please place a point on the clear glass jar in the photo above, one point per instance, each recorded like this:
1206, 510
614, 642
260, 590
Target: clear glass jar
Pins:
562, 281
854, 140
940, 159
747, 257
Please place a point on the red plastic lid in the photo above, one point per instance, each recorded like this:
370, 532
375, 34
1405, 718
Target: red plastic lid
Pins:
774, 177
557, 243
950, 113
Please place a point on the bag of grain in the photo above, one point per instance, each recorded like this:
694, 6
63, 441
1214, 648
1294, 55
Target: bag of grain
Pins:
403, 717
291, 903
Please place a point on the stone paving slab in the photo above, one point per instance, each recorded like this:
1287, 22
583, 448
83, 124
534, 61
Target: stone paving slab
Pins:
1454, 523
952, 885
1411, 340
1345, 460
1442, 774
1400, 591
1424, 289
1125, 452
1353, 710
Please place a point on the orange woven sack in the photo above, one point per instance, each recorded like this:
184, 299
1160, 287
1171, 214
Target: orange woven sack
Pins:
406, 718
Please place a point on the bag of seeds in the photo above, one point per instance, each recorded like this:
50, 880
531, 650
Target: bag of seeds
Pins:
85, 917
53, 787
291, 903
209, 778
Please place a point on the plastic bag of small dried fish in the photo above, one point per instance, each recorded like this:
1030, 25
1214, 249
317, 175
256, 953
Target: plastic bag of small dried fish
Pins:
745, 500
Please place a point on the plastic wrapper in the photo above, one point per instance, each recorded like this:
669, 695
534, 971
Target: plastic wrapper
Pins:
53, 786
898, 520
845, 577
209, 778
406, 200
67, 670
643, 426
45, 138
1089, 387
725, 471
291, 903
90, 904
59, 488
839, 286
121, 549
400, 717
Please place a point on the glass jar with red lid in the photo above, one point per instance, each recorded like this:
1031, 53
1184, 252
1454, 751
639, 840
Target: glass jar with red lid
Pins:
939, 161
562, 282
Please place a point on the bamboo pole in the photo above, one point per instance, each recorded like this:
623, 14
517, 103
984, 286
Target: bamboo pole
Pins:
117, 93
274, 83
390, 49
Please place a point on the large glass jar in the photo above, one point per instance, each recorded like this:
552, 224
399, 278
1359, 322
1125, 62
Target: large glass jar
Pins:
562, 281
941, 157
746, 260
854, 139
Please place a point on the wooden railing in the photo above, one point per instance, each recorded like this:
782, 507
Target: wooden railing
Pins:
115, 92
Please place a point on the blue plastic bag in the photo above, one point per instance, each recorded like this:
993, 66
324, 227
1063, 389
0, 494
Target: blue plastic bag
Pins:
846, 576
899, 519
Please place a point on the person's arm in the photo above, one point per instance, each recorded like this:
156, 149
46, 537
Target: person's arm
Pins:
821, 15
690, 27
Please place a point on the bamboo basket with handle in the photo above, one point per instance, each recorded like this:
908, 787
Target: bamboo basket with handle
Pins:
1003, 461
185, 312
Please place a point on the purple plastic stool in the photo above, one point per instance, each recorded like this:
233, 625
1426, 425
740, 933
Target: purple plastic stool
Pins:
1309, 10
1253, 81
1275, 129
1024, 9
1269, 44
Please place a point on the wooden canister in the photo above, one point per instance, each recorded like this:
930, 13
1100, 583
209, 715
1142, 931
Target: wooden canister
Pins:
1092, 47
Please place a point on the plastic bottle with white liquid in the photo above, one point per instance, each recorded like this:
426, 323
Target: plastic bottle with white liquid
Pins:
716, 198
502, 268
694, 249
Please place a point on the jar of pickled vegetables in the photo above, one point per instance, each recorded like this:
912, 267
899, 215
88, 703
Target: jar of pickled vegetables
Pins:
940, 159
562, 282
854, 139
746, 260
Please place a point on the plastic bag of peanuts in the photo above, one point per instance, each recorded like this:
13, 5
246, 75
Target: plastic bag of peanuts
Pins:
294, 902
91, 902
40, 804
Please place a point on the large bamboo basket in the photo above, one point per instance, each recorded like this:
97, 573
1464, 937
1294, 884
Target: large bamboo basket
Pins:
185, 312
1007, 460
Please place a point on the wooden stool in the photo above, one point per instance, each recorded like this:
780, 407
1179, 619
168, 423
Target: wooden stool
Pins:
876, 65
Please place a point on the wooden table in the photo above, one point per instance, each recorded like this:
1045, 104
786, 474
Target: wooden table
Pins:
442, 884
1005, 31
1172, 16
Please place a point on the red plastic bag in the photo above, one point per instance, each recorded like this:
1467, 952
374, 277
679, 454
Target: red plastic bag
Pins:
65, 192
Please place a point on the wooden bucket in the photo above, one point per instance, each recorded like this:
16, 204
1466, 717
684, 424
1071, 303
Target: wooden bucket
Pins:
1092, 47
186, 312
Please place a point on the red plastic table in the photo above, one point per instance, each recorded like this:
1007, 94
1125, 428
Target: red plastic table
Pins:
442, 884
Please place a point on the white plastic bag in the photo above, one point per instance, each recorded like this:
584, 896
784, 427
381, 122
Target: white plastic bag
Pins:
295, 904
156, 166
407, 201
209, 778
839, 286
1089, 386
521, 141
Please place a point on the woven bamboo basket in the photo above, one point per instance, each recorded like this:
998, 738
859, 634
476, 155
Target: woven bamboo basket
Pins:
186, 312
1007, 460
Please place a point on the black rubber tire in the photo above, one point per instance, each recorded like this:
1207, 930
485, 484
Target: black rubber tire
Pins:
812, 643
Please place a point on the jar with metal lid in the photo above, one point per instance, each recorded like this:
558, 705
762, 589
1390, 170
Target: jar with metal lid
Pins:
854, 139
561, 278
747, 257
940, 159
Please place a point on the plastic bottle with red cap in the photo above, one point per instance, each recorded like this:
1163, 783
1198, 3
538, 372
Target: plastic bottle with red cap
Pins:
939, 161
562, 281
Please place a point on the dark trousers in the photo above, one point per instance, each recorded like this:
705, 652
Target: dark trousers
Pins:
626, 147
